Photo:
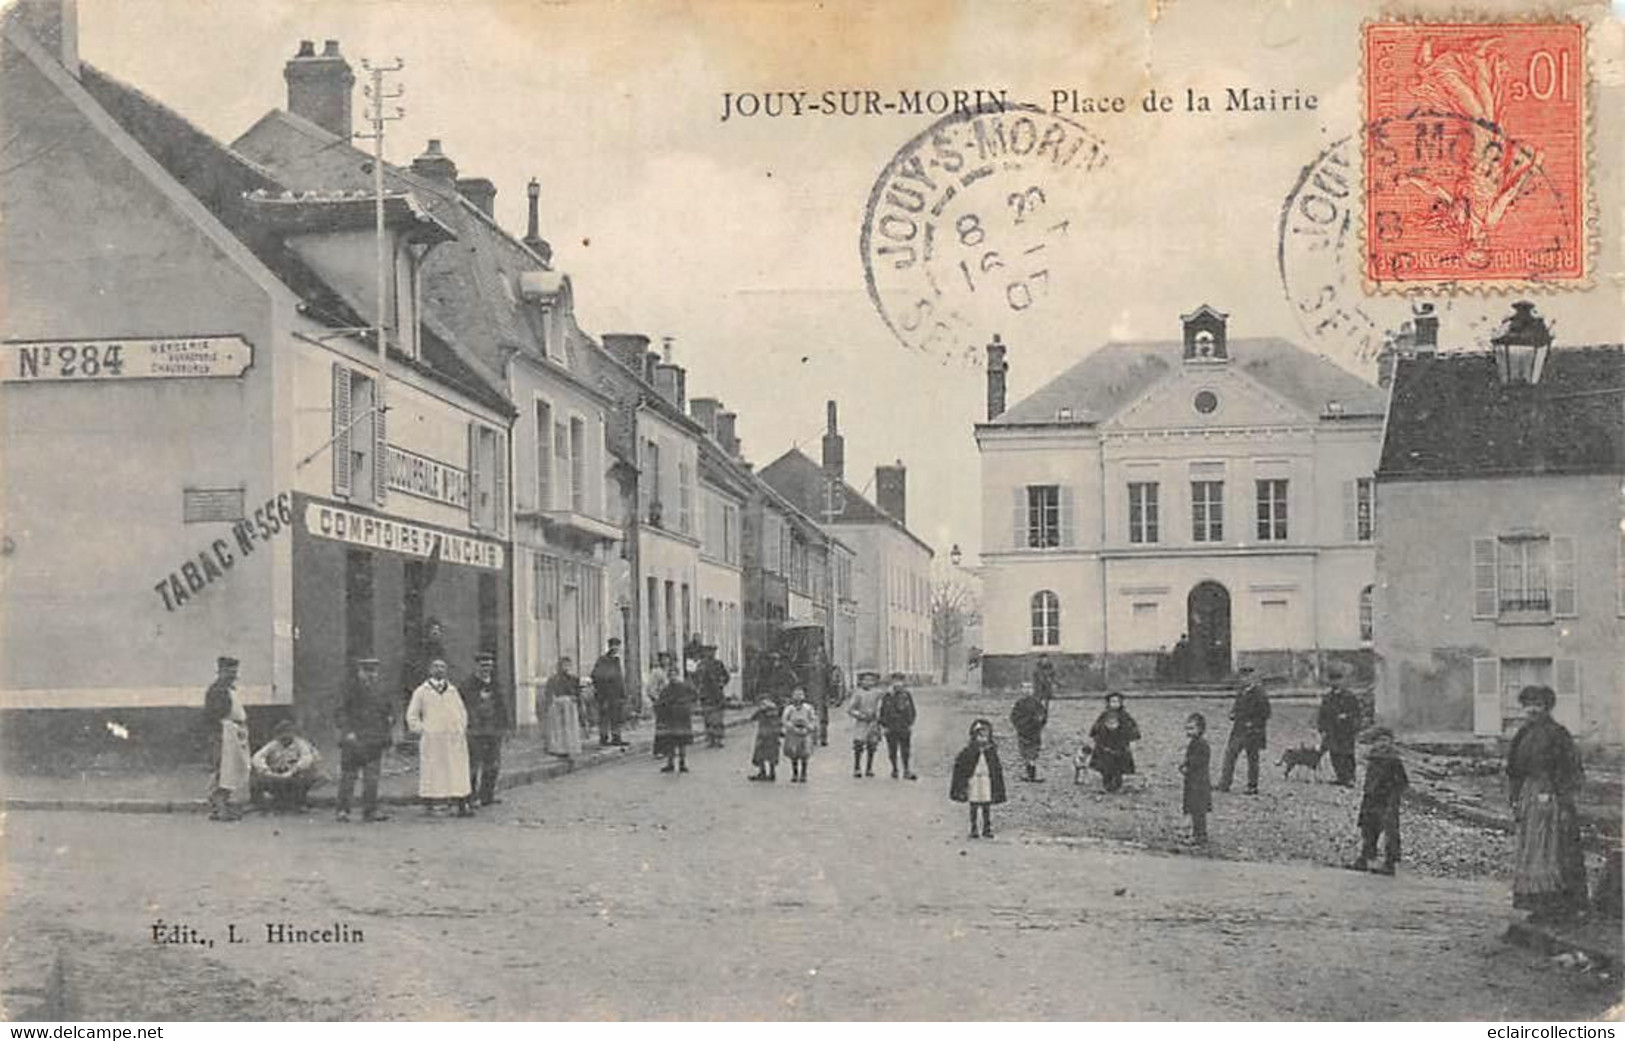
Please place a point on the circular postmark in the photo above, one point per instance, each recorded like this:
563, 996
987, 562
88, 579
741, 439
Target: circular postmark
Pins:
966, 223
1422, 200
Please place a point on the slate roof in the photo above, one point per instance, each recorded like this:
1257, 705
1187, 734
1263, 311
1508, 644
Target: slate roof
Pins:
220, 179
471, 285
801, 481
1118, 373
1451, 417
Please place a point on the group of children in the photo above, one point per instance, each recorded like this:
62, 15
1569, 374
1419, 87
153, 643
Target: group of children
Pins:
792, 730
978, 779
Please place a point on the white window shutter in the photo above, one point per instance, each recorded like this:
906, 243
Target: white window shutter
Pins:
1018, 529
473, 475
380, 457
1351, 510
499, 482
1486, 594
1069, 518
341, 430
1487, 708
1566, 681
1565, 577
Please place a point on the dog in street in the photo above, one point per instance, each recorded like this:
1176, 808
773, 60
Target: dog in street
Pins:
1080, 763
1305, 756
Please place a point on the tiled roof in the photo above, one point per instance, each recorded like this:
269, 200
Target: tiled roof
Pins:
1451, 417
223, 181
1112, 377
471, 284
801, 481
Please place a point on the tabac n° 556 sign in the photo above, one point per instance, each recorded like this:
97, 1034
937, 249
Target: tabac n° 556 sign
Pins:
90, 361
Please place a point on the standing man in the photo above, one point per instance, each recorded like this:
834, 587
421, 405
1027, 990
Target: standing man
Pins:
366, 721
1250, 716
712, 679
488, 723
897, 720
228, 731
1029, 716
437, 716
864, 710
1044, 678
1339, 723
609, 691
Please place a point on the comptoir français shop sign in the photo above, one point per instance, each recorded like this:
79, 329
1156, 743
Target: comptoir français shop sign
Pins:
364, 529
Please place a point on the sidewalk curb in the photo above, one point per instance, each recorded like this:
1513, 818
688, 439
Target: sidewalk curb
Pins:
515, 779
1548, 942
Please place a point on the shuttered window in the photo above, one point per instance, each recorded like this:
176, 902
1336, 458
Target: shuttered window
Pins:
1566, 682
1565, 577
1486, 696
1359, 510
341, 430
380, 456
1486, 593
544, 456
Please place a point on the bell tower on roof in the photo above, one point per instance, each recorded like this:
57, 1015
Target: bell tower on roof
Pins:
1205, 335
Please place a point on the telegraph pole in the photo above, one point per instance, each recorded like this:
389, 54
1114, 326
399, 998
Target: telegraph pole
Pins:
378, 96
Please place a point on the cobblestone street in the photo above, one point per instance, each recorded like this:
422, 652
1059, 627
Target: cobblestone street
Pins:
623, 893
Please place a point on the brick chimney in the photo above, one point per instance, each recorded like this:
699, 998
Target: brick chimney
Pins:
672, 383
479, 191
533, 235
997, 368
727, 433
834, 446
55, 23
704, 411
319, 87
627, 348
435, 165
1420, 335
891, 490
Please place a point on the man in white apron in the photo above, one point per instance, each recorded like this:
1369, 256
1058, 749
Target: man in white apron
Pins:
440, 721
228, 728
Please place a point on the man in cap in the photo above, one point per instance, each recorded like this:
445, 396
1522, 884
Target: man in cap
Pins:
609, 691
284, 769
1339, 723
1249, 731
366, 721
488, 722
897, 715
227, 723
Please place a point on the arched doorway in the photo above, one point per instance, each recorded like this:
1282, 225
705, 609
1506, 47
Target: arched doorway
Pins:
1207, 614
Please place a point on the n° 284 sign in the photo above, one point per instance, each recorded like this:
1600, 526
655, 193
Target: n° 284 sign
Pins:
91, 361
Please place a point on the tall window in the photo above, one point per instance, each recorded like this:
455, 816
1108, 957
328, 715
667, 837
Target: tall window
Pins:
653, 507
487, 476
1525, 573
578, 465
562, 448
1272, 510
685, 505
1207, 511
1142, 511
1367, 617
544, 456
1046, 618
1365, 509
1043, 516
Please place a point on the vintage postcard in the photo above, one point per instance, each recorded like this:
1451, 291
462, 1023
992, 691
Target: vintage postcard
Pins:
741, 510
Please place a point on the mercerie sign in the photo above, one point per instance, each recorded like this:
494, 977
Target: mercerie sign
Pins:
104, 361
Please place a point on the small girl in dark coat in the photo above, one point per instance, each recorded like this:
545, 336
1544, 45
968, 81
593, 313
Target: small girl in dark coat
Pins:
765, 756
1198, 777
978, 778
1113, 731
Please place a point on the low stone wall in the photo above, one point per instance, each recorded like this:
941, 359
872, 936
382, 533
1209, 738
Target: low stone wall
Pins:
1152, 669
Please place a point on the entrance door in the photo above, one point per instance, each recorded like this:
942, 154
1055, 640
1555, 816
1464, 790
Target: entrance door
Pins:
1208, 618
358, 609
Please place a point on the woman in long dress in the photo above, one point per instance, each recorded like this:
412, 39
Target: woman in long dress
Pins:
437, 716
1543, 774
561, 711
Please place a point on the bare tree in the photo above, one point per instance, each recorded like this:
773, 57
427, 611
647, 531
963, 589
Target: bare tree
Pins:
954, 608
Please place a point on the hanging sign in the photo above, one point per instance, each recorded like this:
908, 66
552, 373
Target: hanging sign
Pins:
92, 361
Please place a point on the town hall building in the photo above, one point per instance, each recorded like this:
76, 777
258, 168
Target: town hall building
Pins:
1170, 511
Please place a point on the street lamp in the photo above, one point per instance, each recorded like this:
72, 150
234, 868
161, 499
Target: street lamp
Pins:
1521, 345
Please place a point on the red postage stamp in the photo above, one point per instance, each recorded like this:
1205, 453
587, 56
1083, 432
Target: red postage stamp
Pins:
1476, 157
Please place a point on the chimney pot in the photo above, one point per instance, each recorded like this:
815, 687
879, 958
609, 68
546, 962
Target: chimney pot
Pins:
727, 433
997, 368
891, 491
307, 49
834, 446
330, 48
533, 232
435, 165
627, 348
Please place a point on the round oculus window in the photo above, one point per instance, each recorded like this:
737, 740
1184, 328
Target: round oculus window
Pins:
1206, 401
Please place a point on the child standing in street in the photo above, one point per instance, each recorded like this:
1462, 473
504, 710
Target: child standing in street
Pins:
978, 779
800, 726
765, 756
1198, 777
1385, 784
